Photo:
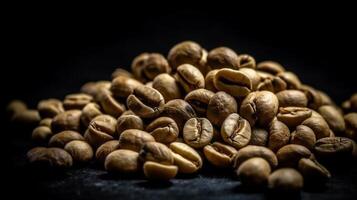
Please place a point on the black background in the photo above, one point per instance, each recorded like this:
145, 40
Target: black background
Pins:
54, 50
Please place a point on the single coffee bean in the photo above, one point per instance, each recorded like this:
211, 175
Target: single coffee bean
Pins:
286, 180
121, 72
279, 135
289, 155
134, 139
252, 151
46, 122
333, 118
89, 112
61, 139
254, 172
148, 66
313, 171
220, 106
253, 76
41, 134
101, 129
318, 124
157, 171
222, 57
15, 107
76, 101
156, 152
80, 151
187, 52
313, 96
68, 120
290, 79
351, 125
293, 116
145, 102
292, 98
163, 129
123, 86
93, 88
125, 122
259, 108
198, 132
138, 65
50, 108
236, 131
105, 149
110, 105
167, 86
246, 61
219, 155
27, 118
122, 161
333, 147
234, 82
209, 80
189, 77
303, 135
186, 158
178, 110
49, 158
199, 100
259, 137
325, 98
273, 84
271, 67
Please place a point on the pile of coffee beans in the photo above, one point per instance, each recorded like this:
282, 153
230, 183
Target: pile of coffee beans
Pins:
172, 115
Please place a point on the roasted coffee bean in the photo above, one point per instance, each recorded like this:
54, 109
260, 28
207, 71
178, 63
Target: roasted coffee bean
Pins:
351, 125
50, 108
156, 152
313, 171
101, 129
49, 158
110, 105
163, 129
186, 158
303, 135
121, 72
134, 139
89, 112
93, 88
292, 98
209, 80
285, 180
222, 57
219, 154
27, 118
271, 67
252, 151
178, 110
105, 149
199, 100
123, 86
41, 134
293, 116
333, 118
198, 132
80, 151
318, 124
125, 122
68, 120
259, 108
157, 171
313, 96
61, 139
289, 155
15, 107
145, 102
279, 135
220, 106
246, 61
46, 122
148, 65
271, 83
122, 161
333, 147
259, 137
76, 101
236, 131
189, 77
290, 79
167, 86
254, 172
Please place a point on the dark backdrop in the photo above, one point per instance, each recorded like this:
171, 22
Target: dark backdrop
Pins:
54, 51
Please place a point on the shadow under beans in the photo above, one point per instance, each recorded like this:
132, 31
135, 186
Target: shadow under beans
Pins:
120, 176
155, 185
214, 172
186, 176
240, 188
275, 194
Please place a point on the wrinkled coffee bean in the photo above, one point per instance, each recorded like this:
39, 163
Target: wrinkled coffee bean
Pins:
110, 105
123, 86
220, 106
189, 77
163, 129
178, 110
219, 154
259, 137
318, 124
290, 79
49, 157
293, 116
236, 131
76, 101
333, 147
101, 129
199, 100
246, 61
198, 132
209, 80
156, 152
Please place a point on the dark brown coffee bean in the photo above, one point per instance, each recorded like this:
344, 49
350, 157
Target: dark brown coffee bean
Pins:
220, 106
333, 118
289, 155
351, 125
333, 147
318, 124
178, 110
313, 171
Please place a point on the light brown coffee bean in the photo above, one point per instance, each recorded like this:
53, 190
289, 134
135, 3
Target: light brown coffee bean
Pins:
101, 129
290, 79
15, 107
27, 118
46, 122
289, 155
105, 149
254, 172
167, 86
333, 118
351, 125
41, 134
318, 124
68, 120
259, 108
285, 179
49, 158
122, 161
222, 57
246, 61
219, 154
271, 83
110, 105
80, 151
157, 171
163, 129
156, 152
209, 80
198, 132
293, 116
186, 158
189, 77
62, 138
313, 171
236, 131
313, 96
121, 72
76, 101
125, 122
50, 108
304, 136
220, 106
199, 100
259, 137
252, 151
292, 98
89, 112
333, 147
93, 88
279, 135
148, 66
178, 110
123, 86
134, 139
271, 67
